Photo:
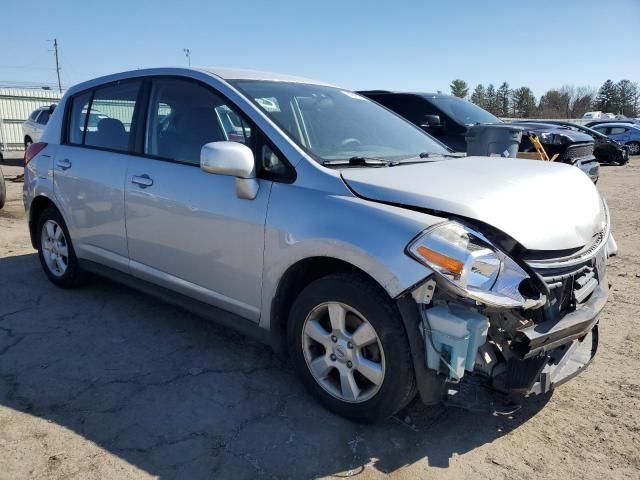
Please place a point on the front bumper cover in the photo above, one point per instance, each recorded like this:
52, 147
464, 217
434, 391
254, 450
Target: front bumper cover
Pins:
553, 352
546, 336
547, 354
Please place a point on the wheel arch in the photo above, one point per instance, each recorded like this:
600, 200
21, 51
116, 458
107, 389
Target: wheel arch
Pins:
294, 280
38, 205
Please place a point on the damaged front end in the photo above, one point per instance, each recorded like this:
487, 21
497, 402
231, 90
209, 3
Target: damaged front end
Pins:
488, 323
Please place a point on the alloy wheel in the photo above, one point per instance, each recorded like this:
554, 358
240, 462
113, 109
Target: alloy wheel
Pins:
343, 352
55, 249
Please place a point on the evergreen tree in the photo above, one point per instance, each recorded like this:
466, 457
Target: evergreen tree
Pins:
491, 100
524, 102
503, 99
479, 96
606, 100
459, 88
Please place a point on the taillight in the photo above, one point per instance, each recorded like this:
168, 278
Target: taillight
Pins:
33, 150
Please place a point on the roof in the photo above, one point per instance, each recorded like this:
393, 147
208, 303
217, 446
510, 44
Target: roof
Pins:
240, 74
617, 124
222, 73
420, 94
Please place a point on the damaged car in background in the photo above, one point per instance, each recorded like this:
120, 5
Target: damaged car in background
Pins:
451, 119
606, 150
325, 224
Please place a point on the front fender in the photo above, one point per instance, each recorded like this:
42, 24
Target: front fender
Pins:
304, 223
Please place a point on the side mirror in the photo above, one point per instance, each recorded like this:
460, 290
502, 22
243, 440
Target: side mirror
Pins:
234, 160
431, 121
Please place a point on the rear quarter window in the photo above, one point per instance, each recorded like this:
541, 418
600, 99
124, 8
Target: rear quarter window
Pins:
77, 118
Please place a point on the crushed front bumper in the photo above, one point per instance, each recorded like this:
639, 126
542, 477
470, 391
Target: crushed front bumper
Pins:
553, 352
546, 355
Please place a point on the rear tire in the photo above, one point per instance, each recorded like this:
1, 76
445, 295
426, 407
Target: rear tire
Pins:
57, 256
362, 371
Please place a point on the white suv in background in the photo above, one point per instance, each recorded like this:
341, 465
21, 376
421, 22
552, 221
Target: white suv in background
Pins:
34, 126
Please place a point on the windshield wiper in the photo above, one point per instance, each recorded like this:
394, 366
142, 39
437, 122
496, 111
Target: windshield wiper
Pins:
359, 161
435, 155
426, 157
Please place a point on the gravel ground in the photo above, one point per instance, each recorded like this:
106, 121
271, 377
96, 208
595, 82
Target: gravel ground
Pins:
103, 382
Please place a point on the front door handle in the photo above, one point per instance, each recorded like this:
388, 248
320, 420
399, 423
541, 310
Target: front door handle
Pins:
64, 164
143, 181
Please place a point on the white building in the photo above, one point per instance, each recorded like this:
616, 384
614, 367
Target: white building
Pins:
15, 107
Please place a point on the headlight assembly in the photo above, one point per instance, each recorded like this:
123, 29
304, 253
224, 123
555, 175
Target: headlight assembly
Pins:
553, 138
470, 265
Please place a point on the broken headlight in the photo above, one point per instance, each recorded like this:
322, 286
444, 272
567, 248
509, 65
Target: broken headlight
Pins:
471, 265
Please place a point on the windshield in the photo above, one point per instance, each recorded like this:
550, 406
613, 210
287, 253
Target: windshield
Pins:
464, 112
335, 124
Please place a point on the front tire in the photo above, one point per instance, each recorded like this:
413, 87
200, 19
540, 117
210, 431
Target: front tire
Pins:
349, 346
634, 148
57, 256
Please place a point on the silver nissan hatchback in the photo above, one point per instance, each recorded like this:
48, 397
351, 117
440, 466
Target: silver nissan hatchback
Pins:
329, 227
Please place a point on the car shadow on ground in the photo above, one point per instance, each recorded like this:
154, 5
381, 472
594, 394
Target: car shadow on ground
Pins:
178, 396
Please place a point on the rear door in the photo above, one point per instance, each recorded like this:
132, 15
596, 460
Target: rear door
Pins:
188, 230
90, 168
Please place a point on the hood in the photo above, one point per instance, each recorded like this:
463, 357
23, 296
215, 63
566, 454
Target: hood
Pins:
571, 136
541, 205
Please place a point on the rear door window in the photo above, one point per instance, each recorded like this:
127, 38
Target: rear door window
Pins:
184, 116
618, 130
112, 112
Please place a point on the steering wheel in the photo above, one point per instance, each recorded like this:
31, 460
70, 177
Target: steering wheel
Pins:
350, 141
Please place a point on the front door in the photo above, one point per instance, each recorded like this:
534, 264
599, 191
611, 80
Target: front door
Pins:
187, 230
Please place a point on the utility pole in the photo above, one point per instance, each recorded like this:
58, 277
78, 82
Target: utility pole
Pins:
55, 49
187, 53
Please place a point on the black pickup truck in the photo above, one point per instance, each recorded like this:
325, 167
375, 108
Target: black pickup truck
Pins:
448, 118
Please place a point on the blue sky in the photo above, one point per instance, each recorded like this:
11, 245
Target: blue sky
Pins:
412, 45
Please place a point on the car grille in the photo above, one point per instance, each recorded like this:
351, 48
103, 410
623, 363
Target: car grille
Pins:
576, 151
572, 285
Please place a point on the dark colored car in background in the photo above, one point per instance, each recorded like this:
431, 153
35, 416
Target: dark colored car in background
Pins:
448, 118
606, 150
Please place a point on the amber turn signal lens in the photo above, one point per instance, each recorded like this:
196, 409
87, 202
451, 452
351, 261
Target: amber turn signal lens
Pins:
451, 264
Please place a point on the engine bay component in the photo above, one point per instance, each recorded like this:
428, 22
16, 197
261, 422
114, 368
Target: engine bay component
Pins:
452, 336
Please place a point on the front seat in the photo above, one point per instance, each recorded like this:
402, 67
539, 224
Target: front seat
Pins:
111, 134
194, 128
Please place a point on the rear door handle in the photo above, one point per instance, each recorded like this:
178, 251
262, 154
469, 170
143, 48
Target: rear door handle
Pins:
64, 164
143, 181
